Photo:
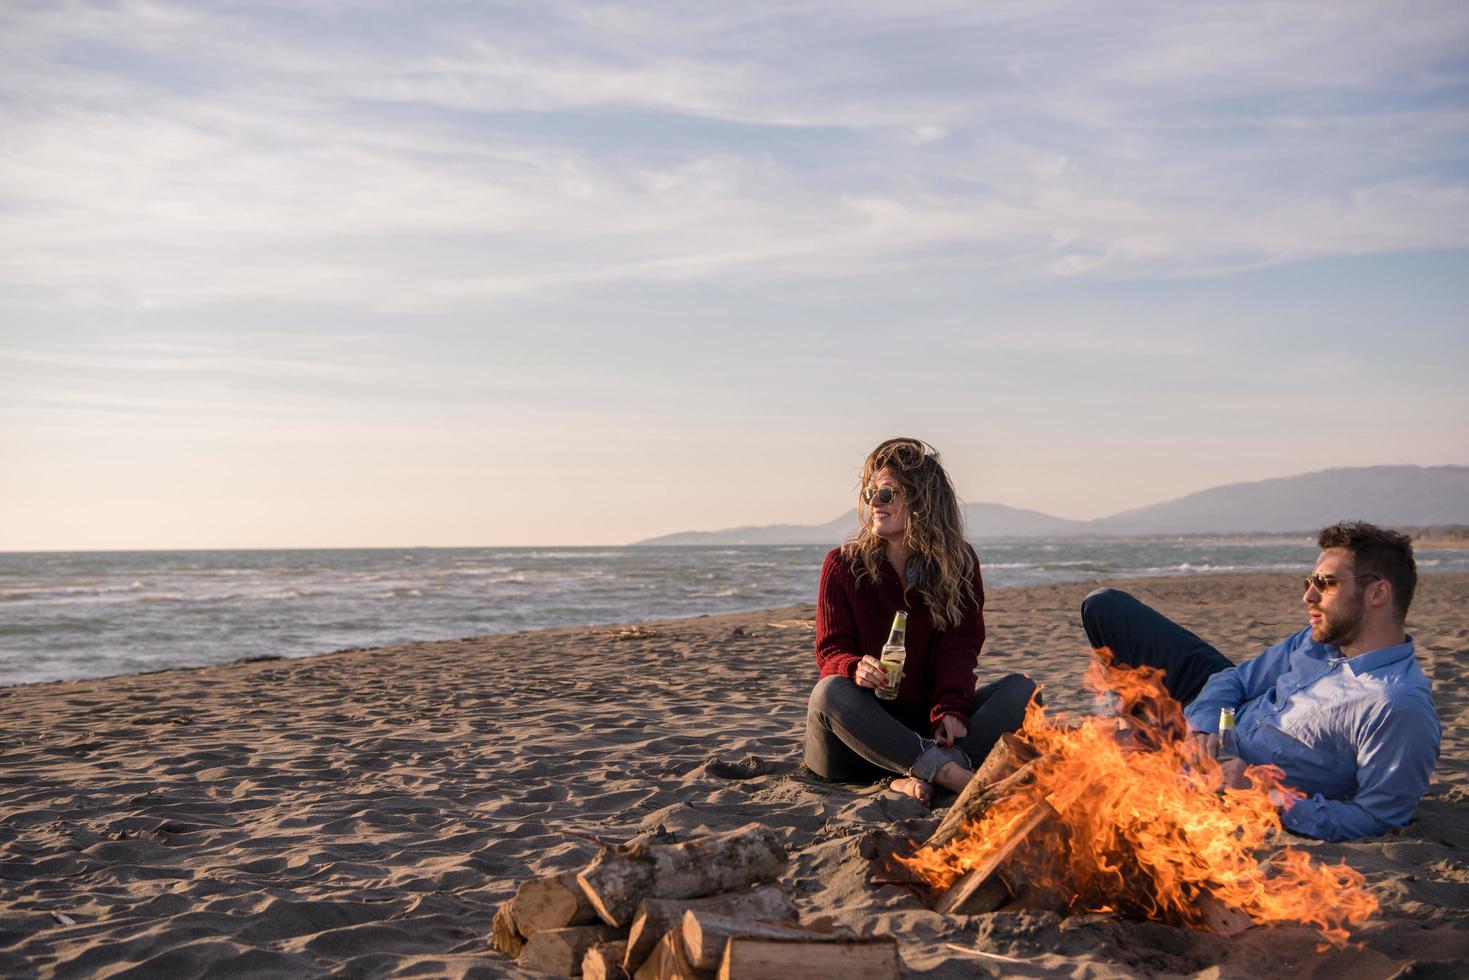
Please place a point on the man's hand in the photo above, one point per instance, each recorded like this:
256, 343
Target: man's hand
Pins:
1233, 772
949, 730
870, 673
1205, 744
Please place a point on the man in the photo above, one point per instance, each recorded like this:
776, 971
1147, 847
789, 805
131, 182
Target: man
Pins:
1342, 707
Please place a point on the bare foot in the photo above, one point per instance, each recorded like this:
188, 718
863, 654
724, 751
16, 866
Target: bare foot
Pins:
914, 787
953, 777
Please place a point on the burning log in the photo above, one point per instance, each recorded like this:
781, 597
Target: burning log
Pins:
656, 916
561, 951
705, 934
850, 959
552, 902
619, 878
1220, 918
1008, 755
976, 800
604, 961
977, 888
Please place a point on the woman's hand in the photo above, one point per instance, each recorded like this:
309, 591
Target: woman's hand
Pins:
949, 730
870, 673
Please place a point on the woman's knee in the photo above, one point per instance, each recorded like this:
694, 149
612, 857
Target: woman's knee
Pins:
1010, 696
829, 693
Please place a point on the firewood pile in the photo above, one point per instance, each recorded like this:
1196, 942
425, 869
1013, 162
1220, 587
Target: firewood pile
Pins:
707, 907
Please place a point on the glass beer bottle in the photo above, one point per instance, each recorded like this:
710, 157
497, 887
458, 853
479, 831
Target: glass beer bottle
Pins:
894, 653
1228, 741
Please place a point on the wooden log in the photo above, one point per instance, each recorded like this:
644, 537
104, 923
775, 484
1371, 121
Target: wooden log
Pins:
561, 951
503, 937
655, 916
971, 806
847, 959
1009, 754
552, 902
975, 885
705, 934
669, 961
619, 878
1219, 918
604, 961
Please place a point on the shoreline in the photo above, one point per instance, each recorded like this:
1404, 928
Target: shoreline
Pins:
365, 811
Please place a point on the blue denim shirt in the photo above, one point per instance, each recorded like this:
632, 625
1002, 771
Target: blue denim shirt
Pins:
1358, 736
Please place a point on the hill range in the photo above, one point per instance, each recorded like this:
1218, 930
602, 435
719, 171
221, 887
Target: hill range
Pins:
1394, 496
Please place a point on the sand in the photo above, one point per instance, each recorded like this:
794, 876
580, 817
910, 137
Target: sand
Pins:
363, 812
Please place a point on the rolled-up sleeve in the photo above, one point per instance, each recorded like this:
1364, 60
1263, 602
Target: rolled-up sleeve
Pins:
1232, 688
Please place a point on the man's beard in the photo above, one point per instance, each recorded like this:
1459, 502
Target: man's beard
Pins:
1342, 626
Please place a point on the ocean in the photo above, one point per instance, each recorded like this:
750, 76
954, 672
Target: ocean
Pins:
67, 615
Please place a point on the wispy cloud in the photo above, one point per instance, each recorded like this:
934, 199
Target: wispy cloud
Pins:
175, 154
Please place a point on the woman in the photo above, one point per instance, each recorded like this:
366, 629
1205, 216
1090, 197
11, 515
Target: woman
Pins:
909, 555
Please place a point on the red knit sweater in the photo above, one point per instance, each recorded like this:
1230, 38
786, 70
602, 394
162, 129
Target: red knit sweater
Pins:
853, 620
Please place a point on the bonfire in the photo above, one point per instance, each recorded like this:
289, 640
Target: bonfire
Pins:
1125, 815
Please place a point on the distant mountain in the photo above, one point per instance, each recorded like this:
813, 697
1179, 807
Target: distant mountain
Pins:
1000, 521
832, 532
980, 521
1395, 496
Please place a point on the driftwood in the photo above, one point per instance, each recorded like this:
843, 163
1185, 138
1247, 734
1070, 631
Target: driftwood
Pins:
503, 937
552, 902
560, 951
975, 800
705, 934
848, 959
668, 960
604, 962
619, 878
655, 916
973, 893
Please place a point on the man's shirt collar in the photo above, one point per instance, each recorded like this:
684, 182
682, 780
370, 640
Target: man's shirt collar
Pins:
1377, 659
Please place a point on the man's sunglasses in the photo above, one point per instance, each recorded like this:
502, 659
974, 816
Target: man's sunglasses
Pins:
883, 495
1328, 583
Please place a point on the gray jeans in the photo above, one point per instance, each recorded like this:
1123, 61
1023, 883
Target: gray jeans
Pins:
850, 737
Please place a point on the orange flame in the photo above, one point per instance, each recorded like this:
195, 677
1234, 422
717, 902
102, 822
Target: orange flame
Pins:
1146, 826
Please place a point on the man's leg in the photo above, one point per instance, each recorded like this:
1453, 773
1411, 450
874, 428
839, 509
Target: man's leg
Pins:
849, 737
998, 707
1140, 636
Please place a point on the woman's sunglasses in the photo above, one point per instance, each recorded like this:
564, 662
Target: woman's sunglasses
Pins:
883, 495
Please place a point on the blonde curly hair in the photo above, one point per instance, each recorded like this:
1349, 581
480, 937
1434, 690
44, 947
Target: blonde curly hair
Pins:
942, 566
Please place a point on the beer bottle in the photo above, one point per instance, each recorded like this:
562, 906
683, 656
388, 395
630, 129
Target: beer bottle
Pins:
894, 653
1228, 741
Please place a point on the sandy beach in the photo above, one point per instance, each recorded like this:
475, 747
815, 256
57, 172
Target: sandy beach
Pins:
362, 813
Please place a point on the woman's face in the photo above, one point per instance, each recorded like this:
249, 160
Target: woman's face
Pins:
889, 520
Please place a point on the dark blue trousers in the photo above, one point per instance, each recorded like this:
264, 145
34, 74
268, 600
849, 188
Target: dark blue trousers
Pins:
1140, 636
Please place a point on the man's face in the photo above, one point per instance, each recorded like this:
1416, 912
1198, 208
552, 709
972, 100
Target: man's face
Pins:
1337, 609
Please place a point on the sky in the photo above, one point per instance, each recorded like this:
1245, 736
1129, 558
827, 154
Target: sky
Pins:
354, 274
